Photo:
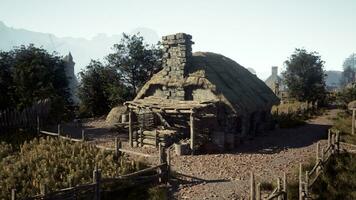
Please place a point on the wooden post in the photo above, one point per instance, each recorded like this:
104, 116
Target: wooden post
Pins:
117, 147
317, 159
285, 186
96, 181
156, 138
322, 154
279, 188
329, 138
338, 141
332, 143
13, 194
43, 189
300, 182
160, 152
306, 185
83, 135
141, 137
192, 132
59, 129
38, 125
130, 128
353, 122
168, 153
258, 191
252, 187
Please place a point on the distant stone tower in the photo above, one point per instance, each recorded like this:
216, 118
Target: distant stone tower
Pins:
72, 79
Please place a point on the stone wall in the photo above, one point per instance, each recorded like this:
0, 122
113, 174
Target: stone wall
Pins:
177, 53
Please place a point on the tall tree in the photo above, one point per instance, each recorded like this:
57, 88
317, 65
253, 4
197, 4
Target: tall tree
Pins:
349, 70
304, 76
100, 89
135, 60
29, 74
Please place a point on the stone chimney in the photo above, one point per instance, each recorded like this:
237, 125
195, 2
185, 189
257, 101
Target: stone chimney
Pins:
274, 71
176, 58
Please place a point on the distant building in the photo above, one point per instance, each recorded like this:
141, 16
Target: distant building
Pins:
274, 82
72, 79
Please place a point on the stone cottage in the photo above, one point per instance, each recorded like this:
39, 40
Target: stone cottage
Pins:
204, 97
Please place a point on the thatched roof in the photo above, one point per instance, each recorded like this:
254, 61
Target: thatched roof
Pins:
352, 105
231, 83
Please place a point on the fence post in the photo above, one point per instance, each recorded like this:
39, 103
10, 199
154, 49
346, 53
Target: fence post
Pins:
317, 159
252, 187
322, 154
13, 194
329, 137
117, 147
337, 141
96, 181
279, 188
83, 135
300, 182
43, 189
258, 191
38, 125
59, 130
306, 185
285, 186
156, 139
332, 143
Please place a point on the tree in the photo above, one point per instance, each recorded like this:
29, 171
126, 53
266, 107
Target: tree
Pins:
29, 74
349, 70
135, 61
100, 89
304, 76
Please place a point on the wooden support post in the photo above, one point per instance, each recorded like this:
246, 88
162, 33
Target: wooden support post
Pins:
83, 135
306, 185
300, 182
333, 143
13, 194
141, 138
322, 154
353, 122
59, 129
168, 153
38, 125
329, 138
279, 188
96, 181
156, 139
252, 187
130, 128
160, 152
285, 186
258, 191
192, 132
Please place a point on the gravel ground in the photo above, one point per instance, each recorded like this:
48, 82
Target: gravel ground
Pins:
226, 176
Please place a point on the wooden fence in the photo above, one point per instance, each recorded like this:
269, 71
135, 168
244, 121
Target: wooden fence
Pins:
308, 178
26, 118
156, 174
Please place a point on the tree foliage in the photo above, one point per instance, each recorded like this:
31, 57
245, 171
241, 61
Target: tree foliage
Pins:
349, 70
135, 61
29, 74
100, 89
304, 76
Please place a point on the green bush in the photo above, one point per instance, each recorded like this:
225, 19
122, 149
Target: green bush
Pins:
56, 163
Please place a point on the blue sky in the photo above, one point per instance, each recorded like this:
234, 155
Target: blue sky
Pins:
257, 34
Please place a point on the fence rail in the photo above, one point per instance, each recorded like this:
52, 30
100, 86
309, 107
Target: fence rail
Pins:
307, 178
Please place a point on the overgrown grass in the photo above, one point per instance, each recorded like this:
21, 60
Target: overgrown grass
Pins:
338, 180
343, 123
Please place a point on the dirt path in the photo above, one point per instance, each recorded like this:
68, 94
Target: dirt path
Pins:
226, 176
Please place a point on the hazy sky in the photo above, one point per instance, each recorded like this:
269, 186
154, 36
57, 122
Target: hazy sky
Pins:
255, 33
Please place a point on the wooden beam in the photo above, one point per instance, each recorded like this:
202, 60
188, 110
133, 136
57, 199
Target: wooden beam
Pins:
130, 128
166, 124
192, 132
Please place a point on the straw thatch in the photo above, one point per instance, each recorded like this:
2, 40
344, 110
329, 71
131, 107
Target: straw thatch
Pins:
222, 79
